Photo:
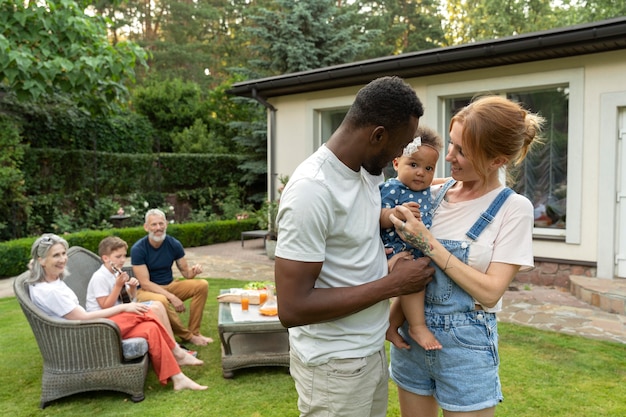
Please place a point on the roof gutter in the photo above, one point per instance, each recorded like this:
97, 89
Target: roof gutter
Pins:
603, 36
271, 154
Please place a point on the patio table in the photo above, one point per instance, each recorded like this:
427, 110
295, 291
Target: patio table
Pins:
259, 341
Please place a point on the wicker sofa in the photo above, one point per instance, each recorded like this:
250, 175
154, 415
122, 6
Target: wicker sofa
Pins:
80, 356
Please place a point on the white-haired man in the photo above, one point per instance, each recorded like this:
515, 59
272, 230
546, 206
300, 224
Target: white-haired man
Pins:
152, 258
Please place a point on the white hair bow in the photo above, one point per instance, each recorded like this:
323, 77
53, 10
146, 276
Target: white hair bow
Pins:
412, 147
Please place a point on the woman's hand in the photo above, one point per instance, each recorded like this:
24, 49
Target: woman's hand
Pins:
138, 308
412, 231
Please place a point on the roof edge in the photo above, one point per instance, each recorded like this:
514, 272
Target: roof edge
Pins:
568, 41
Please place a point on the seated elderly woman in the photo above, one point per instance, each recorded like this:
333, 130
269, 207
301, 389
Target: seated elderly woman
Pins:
55, 298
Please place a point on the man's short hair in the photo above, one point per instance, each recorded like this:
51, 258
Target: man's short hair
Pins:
387, 101
154, 212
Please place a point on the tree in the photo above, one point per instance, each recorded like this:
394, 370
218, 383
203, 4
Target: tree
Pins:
13, 204
194, 40
294, 35
475, 20
52, 47
400, 26
170, 105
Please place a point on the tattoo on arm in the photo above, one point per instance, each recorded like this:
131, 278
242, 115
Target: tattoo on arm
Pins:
419, 242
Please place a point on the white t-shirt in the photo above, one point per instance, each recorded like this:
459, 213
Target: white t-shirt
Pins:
329, 213
54, 298
101, 285
508, 239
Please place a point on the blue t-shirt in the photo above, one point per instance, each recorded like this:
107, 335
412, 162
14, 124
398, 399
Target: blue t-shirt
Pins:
394, 193
158, 260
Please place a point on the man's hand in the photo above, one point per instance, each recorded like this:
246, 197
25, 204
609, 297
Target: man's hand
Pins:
415, 274
195, 270
177, 303
400, 255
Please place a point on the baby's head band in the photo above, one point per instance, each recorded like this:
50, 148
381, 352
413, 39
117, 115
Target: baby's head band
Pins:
412, 147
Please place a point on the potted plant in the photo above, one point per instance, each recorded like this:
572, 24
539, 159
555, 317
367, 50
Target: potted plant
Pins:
266, 217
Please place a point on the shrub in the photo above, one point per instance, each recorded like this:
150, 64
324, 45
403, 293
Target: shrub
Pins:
15, 254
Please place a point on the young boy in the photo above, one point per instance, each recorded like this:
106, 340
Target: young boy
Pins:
411, 188
108, 284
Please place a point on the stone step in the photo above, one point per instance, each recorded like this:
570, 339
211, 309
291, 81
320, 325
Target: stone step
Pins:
606, 294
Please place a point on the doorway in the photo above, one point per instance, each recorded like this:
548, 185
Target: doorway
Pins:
620, 209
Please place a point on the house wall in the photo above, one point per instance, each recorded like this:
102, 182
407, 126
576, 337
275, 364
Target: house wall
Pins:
590, 77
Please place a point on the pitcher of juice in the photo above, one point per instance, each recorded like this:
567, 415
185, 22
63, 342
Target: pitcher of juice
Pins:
269, 307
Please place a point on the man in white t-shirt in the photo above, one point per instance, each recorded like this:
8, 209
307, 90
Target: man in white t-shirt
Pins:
332, 278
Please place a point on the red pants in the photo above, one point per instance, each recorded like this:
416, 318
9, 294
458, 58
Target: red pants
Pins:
160, 344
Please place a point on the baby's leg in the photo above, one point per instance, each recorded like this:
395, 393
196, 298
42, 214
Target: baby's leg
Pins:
413, 308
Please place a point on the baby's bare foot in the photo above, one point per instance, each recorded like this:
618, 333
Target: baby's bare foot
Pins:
424, 337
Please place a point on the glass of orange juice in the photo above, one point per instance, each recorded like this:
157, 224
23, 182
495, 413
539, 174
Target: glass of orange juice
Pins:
245, 301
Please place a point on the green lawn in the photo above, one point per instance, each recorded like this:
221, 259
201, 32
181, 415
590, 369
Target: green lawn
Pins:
543, 374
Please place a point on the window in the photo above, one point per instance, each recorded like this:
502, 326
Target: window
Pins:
542, 177
330, 121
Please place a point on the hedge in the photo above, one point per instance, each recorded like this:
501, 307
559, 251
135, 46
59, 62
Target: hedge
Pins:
57, 171
15, 254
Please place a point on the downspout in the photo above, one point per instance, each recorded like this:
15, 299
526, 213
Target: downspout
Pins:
271, 137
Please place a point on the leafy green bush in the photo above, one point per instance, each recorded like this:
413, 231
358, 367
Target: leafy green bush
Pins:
64, 196
15, 254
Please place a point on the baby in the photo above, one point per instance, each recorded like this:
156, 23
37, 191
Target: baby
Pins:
411, 188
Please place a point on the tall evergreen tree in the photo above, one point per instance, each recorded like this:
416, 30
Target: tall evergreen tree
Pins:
299, 35
400, 26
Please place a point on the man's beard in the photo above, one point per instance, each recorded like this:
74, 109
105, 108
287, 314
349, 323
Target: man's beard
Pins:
155, 238
374, 167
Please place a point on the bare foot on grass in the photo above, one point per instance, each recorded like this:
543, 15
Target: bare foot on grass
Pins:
182, 381
189, 360
199, 340
423, 336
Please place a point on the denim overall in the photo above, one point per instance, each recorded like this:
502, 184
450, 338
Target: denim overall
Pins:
463, 376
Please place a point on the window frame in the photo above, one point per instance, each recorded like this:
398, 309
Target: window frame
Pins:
436, 97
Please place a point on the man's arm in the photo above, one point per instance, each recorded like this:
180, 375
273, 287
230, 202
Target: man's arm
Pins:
300, 303
186, 271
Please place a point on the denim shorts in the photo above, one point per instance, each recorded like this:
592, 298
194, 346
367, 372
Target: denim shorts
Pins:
463, 376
